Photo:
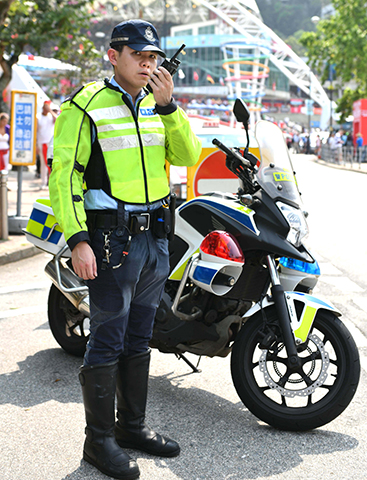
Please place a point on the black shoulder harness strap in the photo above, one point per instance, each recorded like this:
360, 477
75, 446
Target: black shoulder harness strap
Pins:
73, 94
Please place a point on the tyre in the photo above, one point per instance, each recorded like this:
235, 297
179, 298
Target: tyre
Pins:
69, 326
312, 396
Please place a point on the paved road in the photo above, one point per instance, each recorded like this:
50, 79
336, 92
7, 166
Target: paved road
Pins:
42, 418
41, 411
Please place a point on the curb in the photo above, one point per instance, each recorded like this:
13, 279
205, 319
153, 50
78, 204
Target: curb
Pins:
338, 167
25, 252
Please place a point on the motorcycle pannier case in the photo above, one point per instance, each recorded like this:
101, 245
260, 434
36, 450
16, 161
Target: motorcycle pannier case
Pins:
42, 228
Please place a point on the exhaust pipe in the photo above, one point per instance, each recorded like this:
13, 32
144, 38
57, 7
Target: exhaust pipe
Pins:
72, 286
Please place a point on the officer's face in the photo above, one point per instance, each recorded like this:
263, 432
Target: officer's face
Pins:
132, 68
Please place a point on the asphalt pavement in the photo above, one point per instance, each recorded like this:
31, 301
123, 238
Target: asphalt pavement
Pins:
17, 247
42, 416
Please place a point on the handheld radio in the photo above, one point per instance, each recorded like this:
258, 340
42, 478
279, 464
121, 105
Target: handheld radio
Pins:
170, 64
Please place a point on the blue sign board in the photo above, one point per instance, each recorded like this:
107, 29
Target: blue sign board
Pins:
23, 128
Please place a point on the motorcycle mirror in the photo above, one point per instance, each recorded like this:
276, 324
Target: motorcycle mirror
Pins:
241, 112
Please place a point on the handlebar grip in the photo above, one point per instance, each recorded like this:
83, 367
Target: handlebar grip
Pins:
222, 147
231, 153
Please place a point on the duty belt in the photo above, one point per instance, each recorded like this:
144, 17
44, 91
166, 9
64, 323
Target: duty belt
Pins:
137, 222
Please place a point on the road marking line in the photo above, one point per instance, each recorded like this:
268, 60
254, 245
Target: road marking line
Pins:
23, 311
329, 269
363, 361
361, 302
24, 287
344, 284
359, 338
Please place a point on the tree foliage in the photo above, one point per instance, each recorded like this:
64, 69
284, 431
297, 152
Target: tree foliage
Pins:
341, 41
54, 28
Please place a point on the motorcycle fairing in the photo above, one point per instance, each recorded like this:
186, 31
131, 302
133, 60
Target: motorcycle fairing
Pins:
302, 313
192, 238
233, 209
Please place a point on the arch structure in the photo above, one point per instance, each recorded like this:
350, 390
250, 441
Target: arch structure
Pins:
246, 70
244, 17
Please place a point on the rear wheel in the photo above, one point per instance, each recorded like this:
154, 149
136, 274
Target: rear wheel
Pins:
69, 326
312, 396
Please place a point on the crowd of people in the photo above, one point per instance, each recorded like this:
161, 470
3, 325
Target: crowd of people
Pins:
338, 146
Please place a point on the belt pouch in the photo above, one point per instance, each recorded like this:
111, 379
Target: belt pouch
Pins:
161, 222
139, 223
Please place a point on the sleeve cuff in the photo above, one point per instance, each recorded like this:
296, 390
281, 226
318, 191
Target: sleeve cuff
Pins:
77, 238
167, 109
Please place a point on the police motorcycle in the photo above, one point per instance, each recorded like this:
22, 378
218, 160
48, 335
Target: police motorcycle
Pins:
240, 283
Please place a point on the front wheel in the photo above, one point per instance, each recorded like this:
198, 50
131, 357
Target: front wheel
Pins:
69, 326
312, 396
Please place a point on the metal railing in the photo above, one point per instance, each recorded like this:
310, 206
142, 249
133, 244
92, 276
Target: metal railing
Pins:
345, 155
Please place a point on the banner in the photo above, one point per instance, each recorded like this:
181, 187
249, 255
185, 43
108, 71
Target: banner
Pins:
23, 128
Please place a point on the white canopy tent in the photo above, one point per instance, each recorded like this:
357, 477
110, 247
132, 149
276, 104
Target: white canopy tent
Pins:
22, 80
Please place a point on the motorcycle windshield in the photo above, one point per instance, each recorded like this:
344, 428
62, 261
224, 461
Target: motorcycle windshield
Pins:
275, 174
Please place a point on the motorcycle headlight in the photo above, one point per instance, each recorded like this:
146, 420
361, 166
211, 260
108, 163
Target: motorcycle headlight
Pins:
296, 221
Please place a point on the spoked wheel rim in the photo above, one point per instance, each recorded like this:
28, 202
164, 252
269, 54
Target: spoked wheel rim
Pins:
319, 377
295, 399
76, 324
69, 326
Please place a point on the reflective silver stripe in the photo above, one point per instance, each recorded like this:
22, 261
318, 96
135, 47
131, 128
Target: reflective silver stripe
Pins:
119, 143
144, 125
120, 39
119, 126
131, 141
153, 139
124, 126
110, 113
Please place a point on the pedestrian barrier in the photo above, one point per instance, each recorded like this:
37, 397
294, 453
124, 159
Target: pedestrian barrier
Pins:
345, 155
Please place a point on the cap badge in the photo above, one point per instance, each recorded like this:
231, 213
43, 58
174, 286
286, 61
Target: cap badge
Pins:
149, 35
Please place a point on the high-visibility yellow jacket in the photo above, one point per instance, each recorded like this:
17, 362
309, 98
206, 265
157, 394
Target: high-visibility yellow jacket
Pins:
129, 152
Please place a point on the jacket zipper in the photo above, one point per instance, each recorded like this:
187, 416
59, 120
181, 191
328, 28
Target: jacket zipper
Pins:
135, 116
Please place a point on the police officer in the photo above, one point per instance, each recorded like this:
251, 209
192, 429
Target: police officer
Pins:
109, 193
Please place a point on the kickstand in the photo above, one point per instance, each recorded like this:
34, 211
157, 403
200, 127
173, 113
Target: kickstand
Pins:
194, 369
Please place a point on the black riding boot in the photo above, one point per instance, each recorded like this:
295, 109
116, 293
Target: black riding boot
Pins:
132, 389
100, 447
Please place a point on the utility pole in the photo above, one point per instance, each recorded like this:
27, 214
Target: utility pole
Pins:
331, 96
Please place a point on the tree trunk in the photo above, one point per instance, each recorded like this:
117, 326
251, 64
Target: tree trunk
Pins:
5, 78
4, 7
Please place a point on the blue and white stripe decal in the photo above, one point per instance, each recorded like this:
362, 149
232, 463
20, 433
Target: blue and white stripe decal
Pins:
204, 274
312, 299
244, 217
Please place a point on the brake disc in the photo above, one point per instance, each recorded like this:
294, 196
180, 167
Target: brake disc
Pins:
309, 390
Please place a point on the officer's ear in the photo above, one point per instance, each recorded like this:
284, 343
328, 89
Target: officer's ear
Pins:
112, 55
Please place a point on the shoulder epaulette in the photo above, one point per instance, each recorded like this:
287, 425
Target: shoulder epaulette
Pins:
73, 94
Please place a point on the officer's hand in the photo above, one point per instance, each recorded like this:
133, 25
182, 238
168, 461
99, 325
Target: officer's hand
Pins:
84, 261
162, 86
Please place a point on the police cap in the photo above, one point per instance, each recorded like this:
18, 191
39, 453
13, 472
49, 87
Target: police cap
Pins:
138, 35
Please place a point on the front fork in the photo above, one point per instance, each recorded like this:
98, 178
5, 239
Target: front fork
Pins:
280, 302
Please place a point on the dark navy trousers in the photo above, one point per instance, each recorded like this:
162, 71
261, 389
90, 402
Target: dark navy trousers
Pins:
123, 301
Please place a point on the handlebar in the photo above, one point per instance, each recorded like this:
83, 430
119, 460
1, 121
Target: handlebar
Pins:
232, 153
241, 166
